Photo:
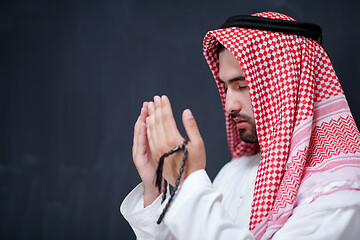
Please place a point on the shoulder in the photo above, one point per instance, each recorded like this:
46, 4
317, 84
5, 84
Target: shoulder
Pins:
237, 167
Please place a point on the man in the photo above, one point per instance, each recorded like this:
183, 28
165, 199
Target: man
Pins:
295, 146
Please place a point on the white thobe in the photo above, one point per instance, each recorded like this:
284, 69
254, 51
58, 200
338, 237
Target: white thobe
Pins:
221, 210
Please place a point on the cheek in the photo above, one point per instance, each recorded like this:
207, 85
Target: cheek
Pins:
246, 101
249, 108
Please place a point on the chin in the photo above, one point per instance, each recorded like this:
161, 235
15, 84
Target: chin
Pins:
248, 136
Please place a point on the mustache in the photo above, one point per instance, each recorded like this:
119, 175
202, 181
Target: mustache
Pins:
240, 115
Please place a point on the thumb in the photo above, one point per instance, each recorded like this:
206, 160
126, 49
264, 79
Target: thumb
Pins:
191, 127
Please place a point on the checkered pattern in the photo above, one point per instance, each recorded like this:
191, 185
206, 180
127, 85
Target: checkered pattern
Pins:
286, 74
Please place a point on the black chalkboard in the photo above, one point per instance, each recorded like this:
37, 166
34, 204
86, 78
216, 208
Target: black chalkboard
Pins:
73, 76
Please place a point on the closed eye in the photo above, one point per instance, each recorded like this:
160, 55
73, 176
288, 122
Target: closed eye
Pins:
242, 87
237, 83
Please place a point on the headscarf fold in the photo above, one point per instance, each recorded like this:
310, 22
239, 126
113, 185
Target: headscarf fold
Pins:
309, 142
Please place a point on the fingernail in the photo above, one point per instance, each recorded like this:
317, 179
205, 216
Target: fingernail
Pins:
156, 99
151, 105
164, 97
188, 114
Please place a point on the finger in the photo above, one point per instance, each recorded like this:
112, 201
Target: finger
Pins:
168, 117
136, 134
141, 119
142, 139
191, 127
150, 107
144, 112
150, 126
159, 127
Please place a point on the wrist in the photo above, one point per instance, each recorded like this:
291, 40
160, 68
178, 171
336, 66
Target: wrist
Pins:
150, 194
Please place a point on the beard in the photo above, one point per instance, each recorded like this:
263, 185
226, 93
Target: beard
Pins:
248, 135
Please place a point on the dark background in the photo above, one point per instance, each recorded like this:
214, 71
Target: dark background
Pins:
73, 76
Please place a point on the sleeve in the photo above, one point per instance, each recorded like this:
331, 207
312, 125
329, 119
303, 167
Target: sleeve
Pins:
143, 220
197, 213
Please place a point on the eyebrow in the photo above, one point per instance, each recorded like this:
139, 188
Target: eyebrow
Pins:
241, 78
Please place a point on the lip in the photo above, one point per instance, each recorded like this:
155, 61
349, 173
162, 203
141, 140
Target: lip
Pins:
240, 123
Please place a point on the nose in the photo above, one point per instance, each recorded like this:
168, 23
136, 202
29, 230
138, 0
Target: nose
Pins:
232, 103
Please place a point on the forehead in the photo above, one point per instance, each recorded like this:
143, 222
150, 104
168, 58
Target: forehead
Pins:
229, 66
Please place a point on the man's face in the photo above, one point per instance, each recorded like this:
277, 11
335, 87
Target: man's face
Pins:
237, 102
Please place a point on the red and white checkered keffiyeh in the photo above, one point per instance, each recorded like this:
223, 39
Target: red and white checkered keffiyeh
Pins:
310, 145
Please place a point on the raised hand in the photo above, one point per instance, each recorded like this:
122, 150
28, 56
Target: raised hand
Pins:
163, 135
142, 158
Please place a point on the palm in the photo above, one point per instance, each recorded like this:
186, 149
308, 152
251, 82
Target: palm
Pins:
143, 161
146, 167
